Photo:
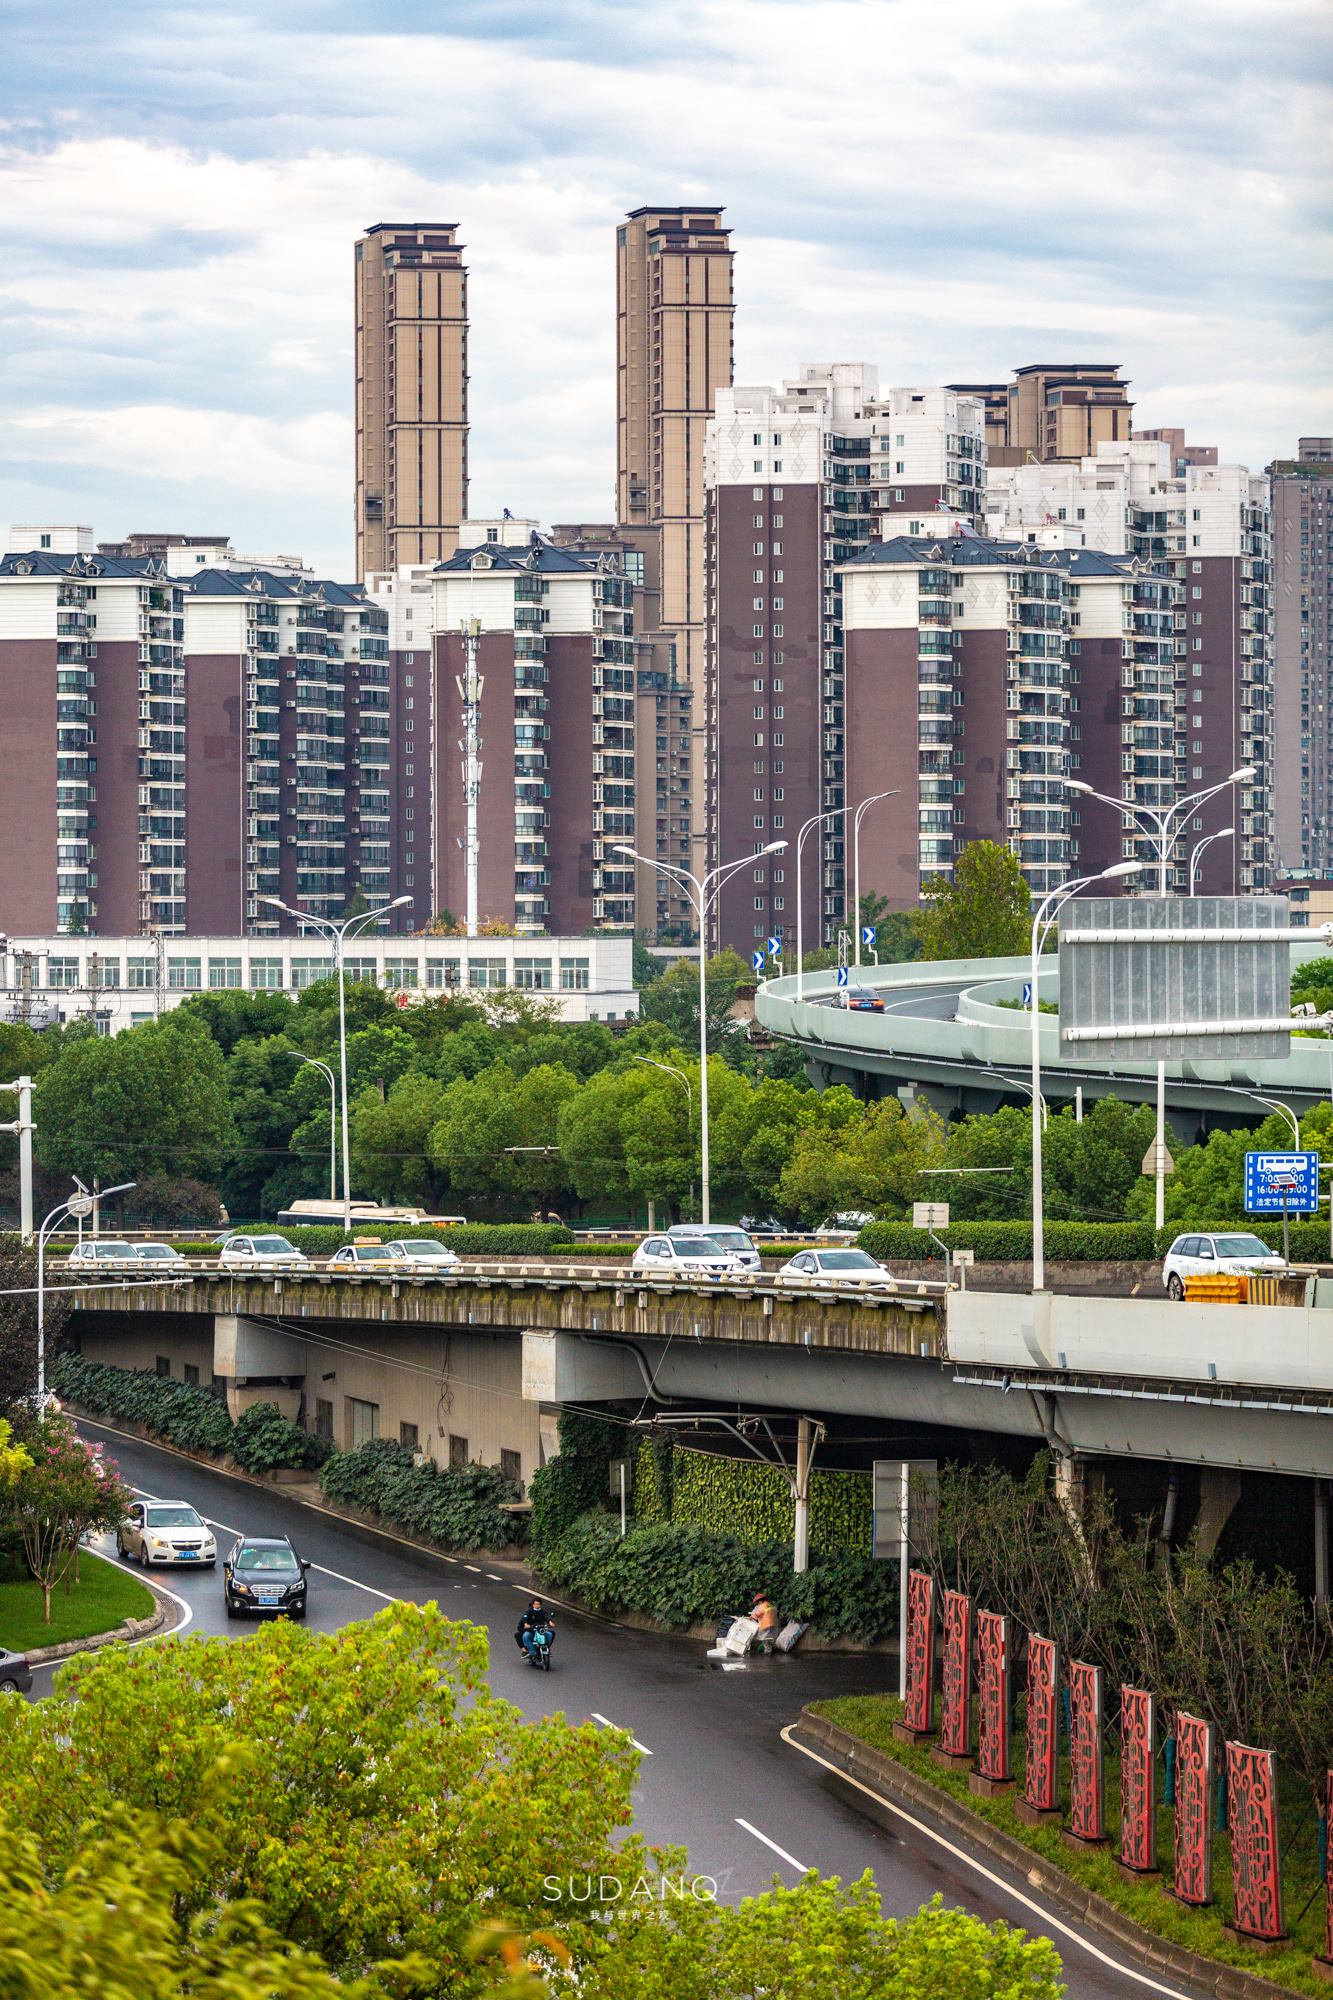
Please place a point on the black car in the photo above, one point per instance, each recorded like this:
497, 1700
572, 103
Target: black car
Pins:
15, 1673
862, 1000
264, 1573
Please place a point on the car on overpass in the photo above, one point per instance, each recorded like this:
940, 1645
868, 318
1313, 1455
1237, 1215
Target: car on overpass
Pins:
415, 1259
1224, 1253
261, 1253
843, 1266
685, 1257
426, 1254
97, 1251
861, 1000
734, 1240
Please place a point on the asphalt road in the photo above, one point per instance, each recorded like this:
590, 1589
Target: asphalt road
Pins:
719, 1778
927, 1003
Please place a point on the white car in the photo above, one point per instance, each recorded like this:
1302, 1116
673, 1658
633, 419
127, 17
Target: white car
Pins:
735, 1241
165, 1531
423, 1254
141, 1256
685, 1256
1212, 1256
261, 1253
406, 1259
836, 1267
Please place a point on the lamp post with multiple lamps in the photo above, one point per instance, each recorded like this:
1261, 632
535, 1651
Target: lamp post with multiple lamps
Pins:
78, 1205
1041, 923
873, 800
1167, 833
332, 1082
703, 894
1196, 855
339, 932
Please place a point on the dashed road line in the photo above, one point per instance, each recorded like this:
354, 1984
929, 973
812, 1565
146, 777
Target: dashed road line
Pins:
781, 1852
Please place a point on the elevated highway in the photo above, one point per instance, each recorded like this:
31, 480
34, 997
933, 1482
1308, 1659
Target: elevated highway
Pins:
943, 1036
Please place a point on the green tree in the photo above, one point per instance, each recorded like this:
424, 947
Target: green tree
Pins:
64, 1490
267, 1104
232, 1016
752, 1138
76, 924
897, 939
859, 1156
356, 904
391, 1157
152, 1100
18, 1320
674, 1000
636, 1131
1208, 1184
483, 1119
983, 911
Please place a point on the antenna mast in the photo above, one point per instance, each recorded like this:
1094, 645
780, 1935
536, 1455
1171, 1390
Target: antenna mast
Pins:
469, 687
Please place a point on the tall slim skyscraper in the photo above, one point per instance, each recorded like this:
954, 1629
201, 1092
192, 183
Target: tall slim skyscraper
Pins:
411, 394
1303, 655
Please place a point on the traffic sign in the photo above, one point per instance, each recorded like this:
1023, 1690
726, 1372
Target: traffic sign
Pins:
775, 947
842, 975
1281, 1183
930, 1215
1027, 992
757, 960
867, 933
1150, 1160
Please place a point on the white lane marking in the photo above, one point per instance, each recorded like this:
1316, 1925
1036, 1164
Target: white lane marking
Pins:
607, 1723
790, 1859
473, 1568
997, 1881
492, 1578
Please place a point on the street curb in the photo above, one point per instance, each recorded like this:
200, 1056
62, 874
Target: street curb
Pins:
904, 1787
128, 1630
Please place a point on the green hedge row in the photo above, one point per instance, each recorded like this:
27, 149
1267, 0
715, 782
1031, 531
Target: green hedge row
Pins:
456, 1506
1309, 1237
192, 1418
1005, 1242
681, 1575
744, 1498
469, 1239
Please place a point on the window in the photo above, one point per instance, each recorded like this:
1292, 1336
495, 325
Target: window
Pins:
757, 493
407, 1436
265, 975
533, 974
441, 972
511, 1467
457, 1452
63, 972
401, 974
140, 972
758, 439
185, 972
323, 1417
191, 1375
1197, 568
574, 975
364, 1422
758, 820
357, 970
1198, 645
305, 971
758, 631
163, 1364
223, 972
1196, 590
759, 465
483, 973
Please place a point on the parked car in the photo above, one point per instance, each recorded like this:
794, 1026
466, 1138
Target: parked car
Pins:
15, 1673
861, 1000
142, 1256
165, 1531
422, 1253
834, 1267
690, 1257
1224, 1254
734, 1240
264, 1573
261, 1253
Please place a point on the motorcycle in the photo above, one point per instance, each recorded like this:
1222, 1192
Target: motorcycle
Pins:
540, 1656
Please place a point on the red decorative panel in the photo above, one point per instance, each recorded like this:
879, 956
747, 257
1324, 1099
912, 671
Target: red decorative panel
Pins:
1328, 1870
1256, 1879
956, 1720
993, 1666
1042, 1786
1194, 1809
1138, 1779
919, 1711
1087, 1766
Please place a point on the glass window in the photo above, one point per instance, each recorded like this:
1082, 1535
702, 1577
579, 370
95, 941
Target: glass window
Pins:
366, 969
486, 972
1241, 1246
365, 1423
400, 973
305, 971
282, 1560
265, 975
441, 972
574, 975
533, 974
173, 1517
63, 972
139, 972
223, 972
184, 973
107, 971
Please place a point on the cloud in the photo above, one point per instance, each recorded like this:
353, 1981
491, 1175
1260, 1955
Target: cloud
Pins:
947, 195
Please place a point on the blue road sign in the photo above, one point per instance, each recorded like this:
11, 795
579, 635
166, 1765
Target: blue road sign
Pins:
1027, 992
1278, 1181
775, 947
757, 960
842, 975
867, 933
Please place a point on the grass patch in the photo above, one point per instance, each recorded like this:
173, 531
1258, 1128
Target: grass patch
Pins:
102, 1597
871, 1718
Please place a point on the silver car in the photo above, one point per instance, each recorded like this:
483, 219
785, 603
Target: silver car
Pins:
685, 1257
261, 1253
96, 1251
733, 1240
165, 1531
836, 1267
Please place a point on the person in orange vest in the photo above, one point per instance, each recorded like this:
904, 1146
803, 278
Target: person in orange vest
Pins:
765, 1617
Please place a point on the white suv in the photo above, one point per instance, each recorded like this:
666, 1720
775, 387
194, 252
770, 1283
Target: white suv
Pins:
735, 1241
136, 1256
261, 1253
1211, 1256
686, 1257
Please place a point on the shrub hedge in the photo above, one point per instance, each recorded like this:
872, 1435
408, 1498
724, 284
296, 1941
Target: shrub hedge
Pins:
456, 1506
754, 1502
579, 1478
1005, 1242
191, 1418
469, 1239
681, 1575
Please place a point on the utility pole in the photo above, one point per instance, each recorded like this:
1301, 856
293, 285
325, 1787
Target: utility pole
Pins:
469, 687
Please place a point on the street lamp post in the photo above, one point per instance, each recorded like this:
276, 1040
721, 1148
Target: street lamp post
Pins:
856, 860
78, 1205
1227, 833
338, 932
703, 895
669, 1069
1054, 901
816, 819
332, 1082
1167, 834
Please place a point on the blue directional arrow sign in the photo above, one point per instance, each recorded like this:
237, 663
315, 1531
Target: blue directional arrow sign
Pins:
867, 933
775, 947
842, 975
757, 960
1275, 1182
1027, 992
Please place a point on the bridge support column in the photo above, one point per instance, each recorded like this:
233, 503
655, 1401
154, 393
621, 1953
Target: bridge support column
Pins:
801, 1560
1321, 1545
1219, 1493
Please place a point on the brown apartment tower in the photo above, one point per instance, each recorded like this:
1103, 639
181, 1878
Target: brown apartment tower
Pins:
411, 394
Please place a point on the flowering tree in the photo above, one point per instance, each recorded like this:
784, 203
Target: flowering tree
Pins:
64, 1490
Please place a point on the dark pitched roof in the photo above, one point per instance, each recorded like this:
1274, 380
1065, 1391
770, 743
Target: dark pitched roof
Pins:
537, 554
974, 552
43, 562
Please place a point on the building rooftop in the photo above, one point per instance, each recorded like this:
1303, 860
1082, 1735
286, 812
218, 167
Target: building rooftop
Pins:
537, 554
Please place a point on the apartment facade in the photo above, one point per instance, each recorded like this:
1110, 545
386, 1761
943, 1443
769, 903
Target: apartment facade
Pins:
411, 365
1054, 410
800, 479
1302, 490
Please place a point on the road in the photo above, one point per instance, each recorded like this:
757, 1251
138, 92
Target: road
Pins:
718, 1777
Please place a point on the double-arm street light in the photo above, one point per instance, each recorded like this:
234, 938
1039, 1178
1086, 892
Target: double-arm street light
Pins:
873, 800
339, 933
703, 894
332, 1082
1169, 821
816, 819
78, 1205
1227, 833
1041, 923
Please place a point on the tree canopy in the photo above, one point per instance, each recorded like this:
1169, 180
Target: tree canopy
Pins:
983, 911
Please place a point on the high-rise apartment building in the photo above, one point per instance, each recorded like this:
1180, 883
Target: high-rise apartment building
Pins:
1183, 455
1053, 410
1302, 490
799, 480
411, 394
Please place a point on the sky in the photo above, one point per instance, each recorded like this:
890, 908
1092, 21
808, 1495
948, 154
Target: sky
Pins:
948, 192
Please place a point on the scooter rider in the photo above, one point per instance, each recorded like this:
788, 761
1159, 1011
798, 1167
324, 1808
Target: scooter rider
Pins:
535, 1618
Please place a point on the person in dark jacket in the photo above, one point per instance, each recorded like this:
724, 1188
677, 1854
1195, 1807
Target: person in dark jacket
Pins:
534, 1619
